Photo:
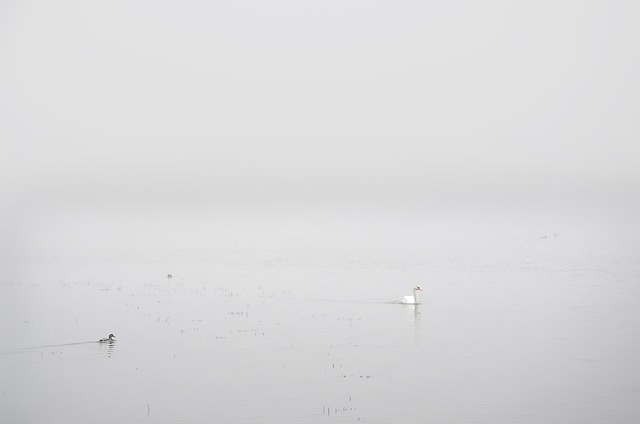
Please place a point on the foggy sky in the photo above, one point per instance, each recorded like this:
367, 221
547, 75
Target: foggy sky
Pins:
199, 100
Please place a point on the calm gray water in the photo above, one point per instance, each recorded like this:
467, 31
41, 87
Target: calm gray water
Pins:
267, 322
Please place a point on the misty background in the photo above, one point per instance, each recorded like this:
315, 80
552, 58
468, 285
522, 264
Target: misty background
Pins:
334, 105
298, 167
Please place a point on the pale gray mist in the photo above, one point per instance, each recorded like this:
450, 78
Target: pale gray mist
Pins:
298, 168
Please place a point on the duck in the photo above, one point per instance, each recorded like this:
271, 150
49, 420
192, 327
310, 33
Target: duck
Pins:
110, 338
412, 300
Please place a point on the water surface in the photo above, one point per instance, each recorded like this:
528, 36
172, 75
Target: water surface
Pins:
303, 324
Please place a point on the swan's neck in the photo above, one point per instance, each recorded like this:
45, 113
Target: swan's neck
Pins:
415, 296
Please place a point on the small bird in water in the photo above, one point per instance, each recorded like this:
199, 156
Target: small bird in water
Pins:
169, 276
111, 338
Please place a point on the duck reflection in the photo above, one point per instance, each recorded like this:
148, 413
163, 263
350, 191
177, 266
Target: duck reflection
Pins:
110, 342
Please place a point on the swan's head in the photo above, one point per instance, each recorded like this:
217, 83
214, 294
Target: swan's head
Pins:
417, 288
112, 337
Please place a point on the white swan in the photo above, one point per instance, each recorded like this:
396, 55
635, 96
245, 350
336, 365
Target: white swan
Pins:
412, 300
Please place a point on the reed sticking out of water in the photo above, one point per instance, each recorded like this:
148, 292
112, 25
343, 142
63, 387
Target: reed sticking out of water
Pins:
148, 409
